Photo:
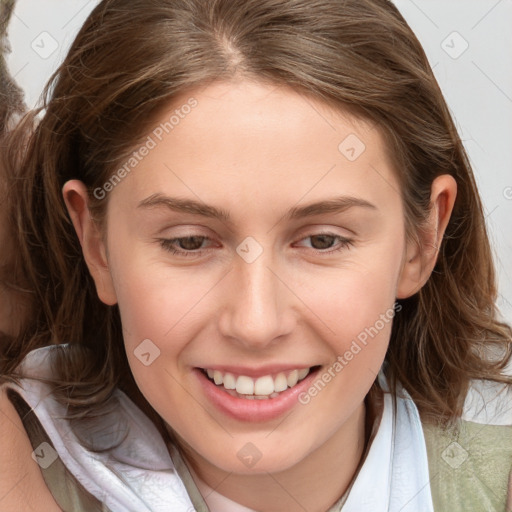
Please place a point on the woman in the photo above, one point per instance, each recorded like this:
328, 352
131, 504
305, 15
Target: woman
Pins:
258, 243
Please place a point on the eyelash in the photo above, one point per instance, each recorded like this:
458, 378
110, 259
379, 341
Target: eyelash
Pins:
167, 244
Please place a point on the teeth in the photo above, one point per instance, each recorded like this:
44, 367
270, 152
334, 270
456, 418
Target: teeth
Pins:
217, 377
229, 381
261, 388
244, 385
293, 378
264, 385
281, 383
303, 373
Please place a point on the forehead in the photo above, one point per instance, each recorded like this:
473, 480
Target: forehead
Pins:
260, 143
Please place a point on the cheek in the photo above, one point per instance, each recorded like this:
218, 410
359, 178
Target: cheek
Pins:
155, 310
356, 306
359, 314
356, 314
155, 299
158, 301
352, 298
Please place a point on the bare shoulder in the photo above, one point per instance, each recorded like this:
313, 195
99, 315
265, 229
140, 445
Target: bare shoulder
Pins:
22, 486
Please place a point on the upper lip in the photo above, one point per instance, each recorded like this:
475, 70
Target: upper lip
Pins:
257, 371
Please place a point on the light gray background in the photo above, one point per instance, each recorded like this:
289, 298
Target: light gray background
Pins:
469, 45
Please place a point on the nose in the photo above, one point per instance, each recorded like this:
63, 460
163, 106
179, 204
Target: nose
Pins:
257, 307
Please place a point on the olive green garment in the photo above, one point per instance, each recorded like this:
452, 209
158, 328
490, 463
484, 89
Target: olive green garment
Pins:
469, 469
469, 466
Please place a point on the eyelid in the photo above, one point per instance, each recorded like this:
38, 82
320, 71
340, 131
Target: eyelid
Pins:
168, 244
180, 230
343, 242
326, 229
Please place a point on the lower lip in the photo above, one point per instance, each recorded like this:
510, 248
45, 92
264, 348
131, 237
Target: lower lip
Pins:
243, 409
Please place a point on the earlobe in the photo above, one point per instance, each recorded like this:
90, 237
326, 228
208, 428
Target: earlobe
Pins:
421, 255
93, 247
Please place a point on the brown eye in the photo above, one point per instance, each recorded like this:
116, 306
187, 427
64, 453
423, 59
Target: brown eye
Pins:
322, 241
191, 243
326, 243
192, 246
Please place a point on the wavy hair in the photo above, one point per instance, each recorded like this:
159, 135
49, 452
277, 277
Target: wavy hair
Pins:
13, 303
132, 57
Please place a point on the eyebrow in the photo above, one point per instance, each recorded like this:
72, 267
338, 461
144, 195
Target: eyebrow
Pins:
332, 205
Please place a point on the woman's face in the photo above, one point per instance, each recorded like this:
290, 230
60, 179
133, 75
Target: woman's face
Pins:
258, 236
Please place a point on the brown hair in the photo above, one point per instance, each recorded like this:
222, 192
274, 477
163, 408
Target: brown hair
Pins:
132, 57
12, 302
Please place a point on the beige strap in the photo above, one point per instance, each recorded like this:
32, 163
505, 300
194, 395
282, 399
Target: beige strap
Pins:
69, 494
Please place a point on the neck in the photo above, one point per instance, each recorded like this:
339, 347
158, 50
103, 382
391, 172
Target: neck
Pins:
330, 468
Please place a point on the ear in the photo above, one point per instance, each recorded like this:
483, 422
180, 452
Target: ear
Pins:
420, 259
88, 232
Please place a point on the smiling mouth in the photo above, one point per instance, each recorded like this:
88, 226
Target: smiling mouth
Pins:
262, 388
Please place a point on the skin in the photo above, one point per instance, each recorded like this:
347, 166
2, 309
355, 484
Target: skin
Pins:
22, 486
256, 151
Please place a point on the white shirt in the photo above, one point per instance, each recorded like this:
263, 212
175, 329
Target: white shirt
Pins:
139, 474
